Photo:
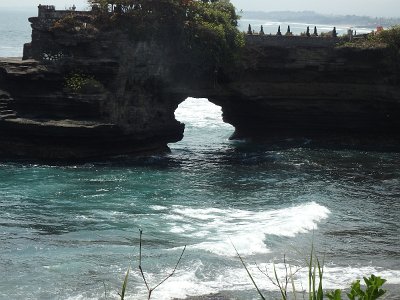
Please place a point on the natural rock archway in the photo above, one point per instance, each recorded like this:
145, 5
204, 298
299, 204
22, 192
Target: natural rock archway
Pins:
129, 91
199, 114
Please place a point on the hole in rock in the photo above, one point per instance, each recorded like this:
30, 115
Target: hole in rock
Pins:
204, 127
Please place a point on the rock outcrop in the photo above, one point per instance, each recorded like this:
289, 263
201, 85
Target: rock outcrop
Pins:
312, 86
285, 86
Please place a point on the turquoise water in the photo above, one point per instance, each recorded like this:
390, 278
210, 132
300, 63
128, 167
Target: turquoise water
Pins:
70, 232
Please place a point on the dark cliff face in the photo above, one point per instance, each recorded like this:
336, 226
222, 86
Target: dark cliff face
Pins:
283, 87
126, 112
310, 86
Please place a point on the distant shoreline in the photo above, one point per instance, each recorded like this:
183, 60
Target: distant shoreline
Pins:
313, 17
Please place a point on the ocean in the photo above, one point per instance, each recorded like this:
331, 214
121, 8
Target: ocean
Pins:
72, 231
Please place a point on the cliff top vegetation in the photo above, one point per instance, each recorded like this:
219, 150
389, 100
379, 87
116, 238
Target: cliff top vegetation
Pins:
385, 38
204, 32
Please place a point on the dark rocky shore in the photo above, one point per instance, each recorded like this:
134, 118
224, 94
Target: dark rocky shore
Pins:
285, 87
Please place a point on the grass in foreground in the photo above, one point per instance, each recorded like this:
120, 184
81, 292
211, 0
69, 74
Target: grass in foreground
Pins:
315, 278
150, 289
315, 291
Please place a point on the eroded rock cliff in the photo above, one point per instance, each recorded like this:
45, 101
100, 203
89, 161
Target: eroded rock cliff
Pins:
283, 86
313, 86
125, 112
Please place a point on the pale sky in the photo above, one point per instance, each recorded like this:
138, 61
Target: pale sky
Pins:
376, 8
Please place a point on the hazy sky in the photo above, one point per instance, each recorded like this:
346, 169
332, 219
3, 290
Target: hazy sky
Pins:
386, 8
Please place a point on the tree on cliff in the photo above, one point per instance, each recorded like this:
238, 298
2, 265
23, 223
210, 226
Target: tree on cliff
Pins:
211, 33
205, 31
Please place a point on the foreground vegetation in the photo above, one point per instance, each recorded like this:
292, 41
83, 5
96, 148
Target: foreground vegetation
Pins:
315, 283
372, 291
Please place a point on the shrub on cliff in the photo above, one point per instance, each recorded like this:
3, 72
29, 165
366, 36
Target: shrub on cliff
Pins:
391, 37
386, 38
73, 23
81, 83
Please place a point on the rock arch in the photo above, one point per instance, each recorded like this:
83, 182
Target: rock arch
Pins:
284, 86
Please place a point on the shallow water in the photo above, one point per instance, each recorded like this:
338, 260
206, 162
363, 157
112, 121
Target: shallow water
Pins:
70, 232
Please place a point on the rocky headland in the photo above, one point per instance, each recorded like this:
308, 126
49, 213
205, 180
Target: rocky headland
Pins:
82, 93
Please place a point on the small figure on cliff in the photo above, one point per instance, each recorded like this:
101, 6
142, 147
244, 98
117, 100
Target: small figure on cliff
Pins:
279, 31
249, 31
350, 34
262, 30
308, 31
334, 33
315, 31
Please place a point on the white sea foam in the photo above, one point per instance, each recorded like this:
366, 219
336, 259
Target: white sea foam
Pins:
81, 297
191, 282
194, 282
158, 207
335, 277
246, 229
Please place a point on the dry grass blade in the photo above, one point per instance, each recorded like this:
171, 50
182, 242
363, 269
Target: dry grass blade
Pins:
281, 289
105, 290
140, 260
320, 293
248, 272
149, 289
173, 271
292, 281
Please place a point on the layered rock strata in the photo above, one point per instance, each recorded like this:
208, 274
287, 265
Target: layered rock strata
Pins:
312, 86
